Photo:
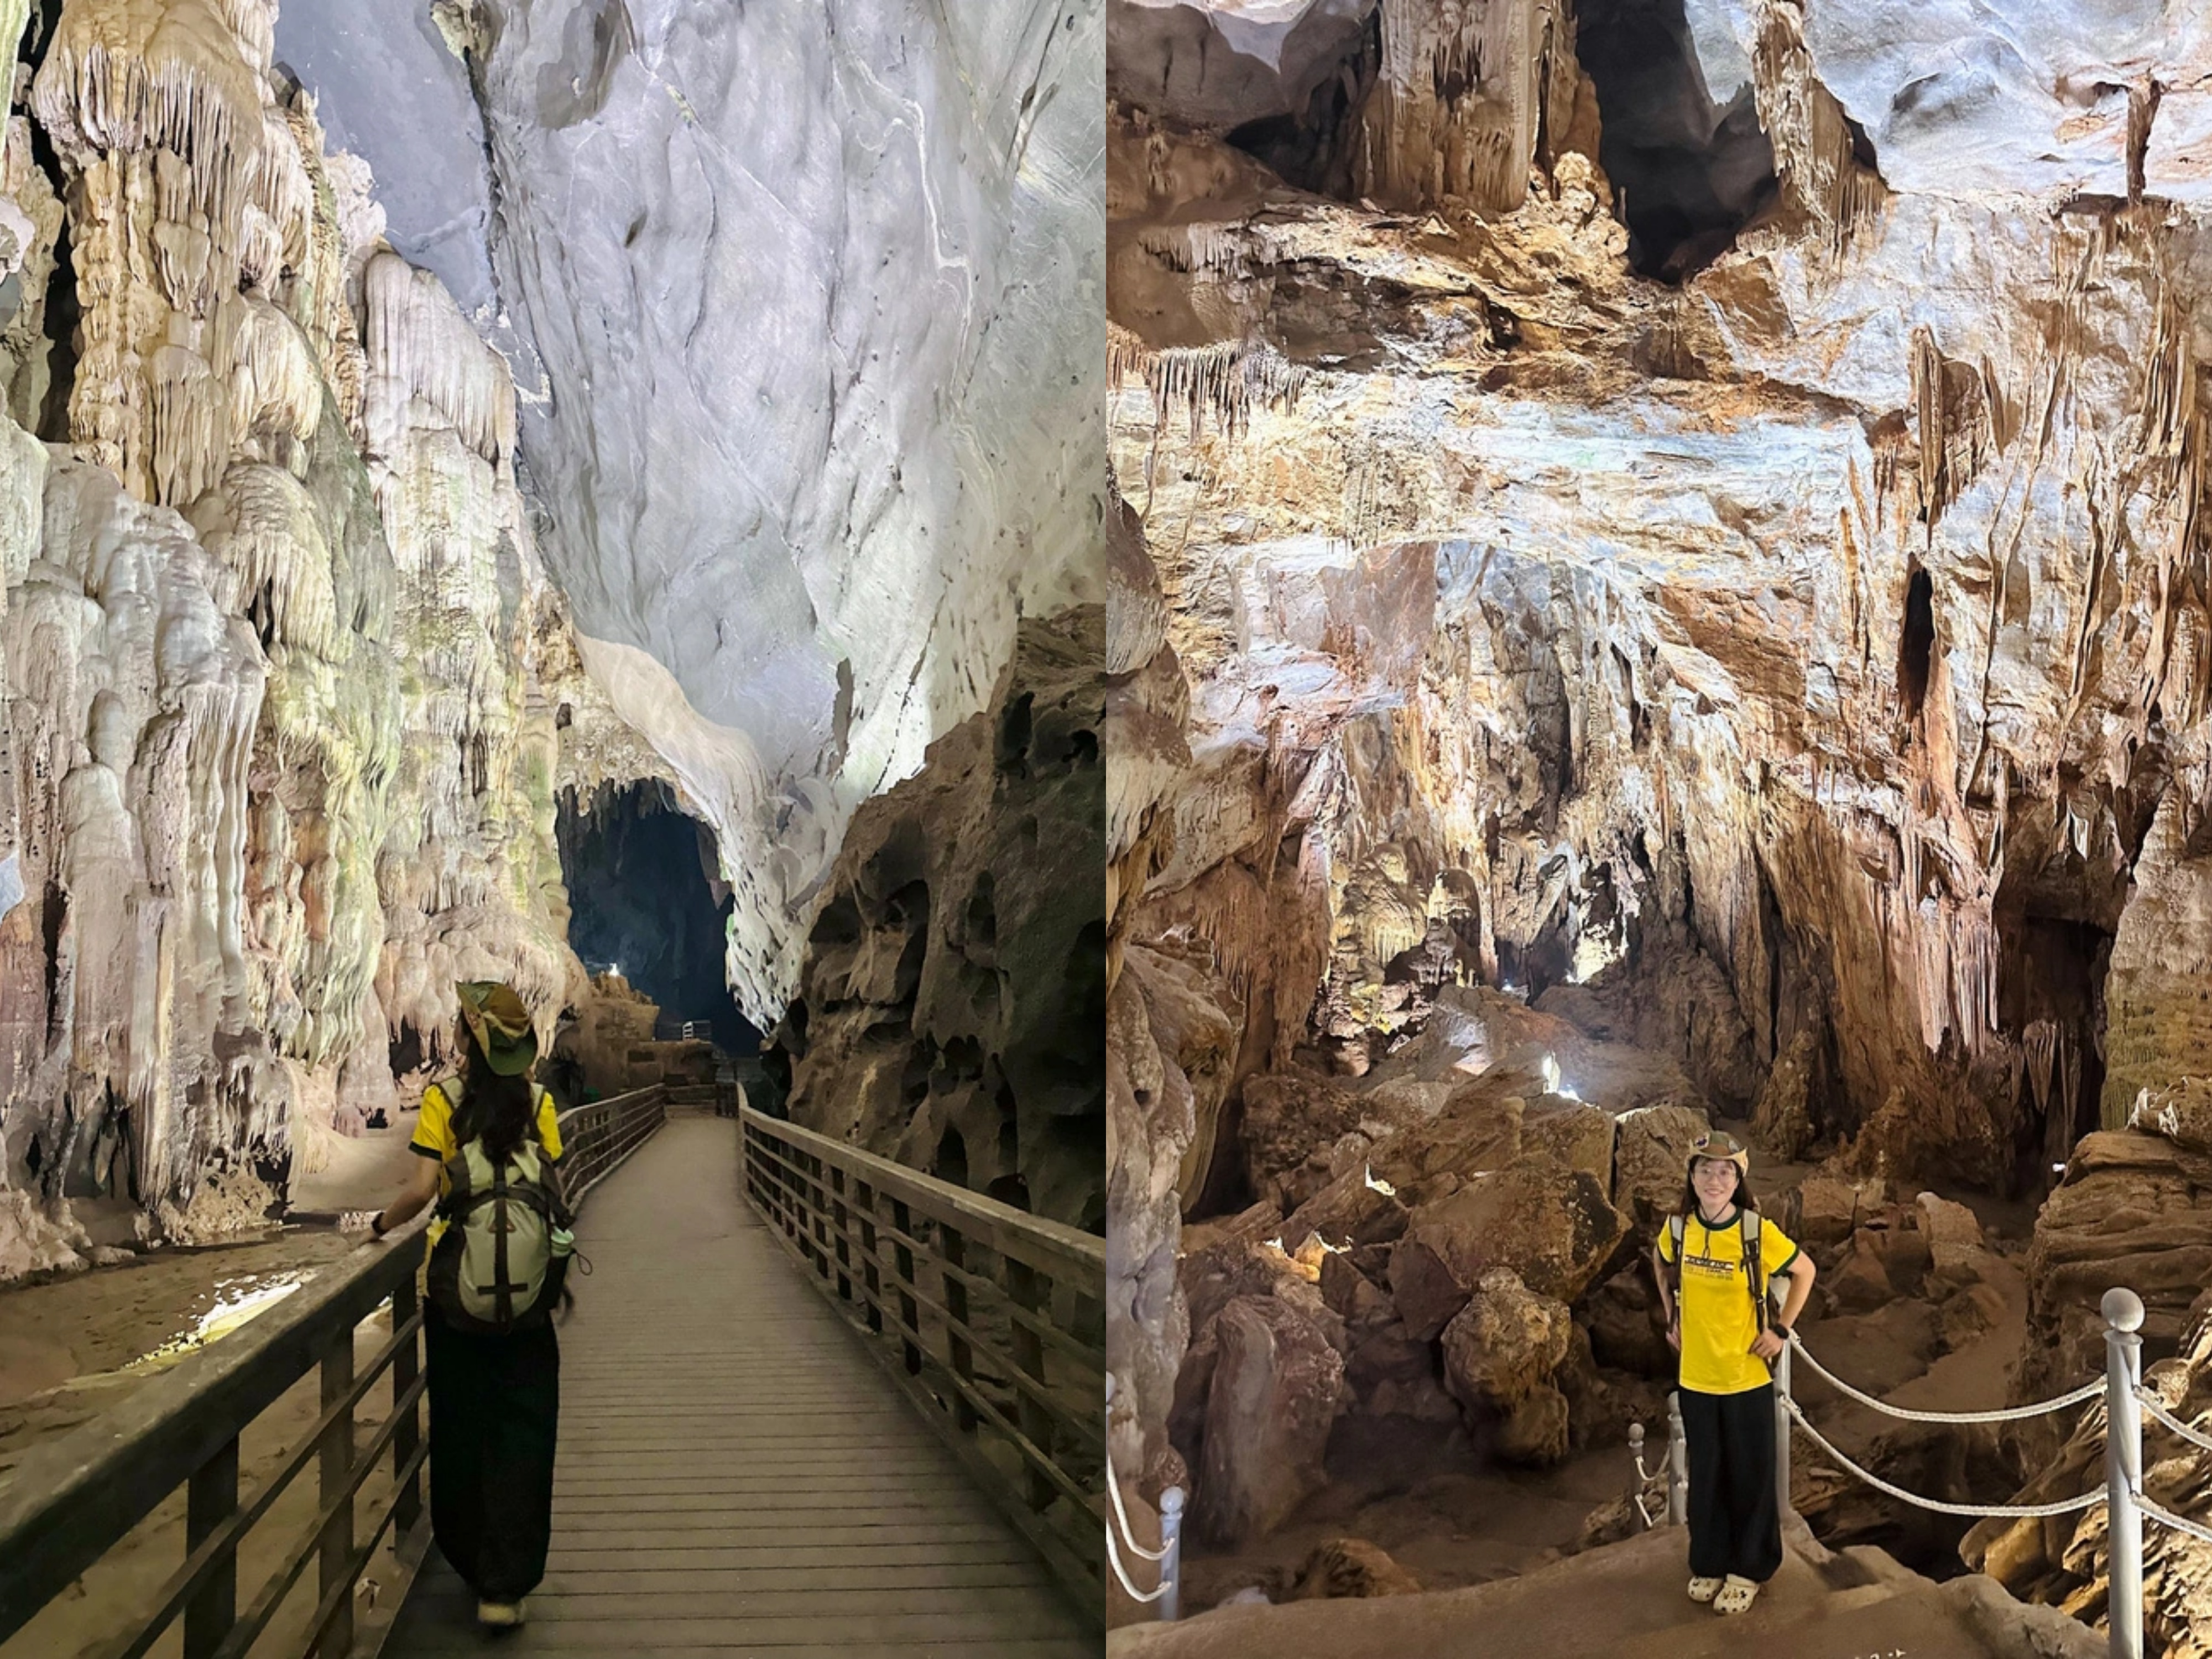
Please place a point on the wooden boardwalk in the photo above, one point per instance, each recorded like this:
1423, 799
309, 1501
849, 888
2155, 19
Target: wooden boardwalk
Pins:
735, 1474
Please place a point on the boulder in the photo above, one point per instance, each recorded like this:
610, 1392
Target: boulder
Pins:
1570, 1133
1276, 1390
1956, 1250
1651, 1161
1505, 1343
1828, 1211
1622, 1318
1552, 1226
1351, 1567
1291, 1122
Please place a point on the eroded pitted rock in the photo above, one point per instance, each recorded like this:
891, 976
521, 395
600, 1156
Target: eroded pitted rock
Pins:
1500, 1352
955, 978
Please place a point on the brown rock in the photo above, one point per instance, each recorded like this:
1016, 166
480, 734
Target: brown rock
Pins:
1276, 1388
1828, 1210
1570, 1134
1861, 1283
1351, 1567
1622, 1317
1651, 1161
1349, 1291
1292, 1120
1552, 1227
1505, 1343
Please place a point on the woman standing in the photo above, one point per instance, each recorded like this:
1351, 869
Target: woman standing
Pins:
1715, 1260
488, 1141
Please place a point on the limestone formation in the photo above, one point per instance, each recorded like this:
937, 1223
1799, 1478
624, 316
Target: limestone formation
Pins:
1671, 583
951, 1010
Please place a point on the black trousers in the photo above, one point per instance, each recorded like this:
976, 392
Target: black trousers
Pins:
494, 1419
1735, 1521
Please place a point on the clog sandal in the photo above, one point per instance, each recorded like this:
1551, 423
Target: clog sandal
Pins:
1736, 1595
1704, 1589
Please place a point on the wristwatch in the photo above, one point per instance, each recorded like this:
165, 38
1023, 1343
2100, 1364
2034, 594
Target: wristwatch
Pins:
376, 1224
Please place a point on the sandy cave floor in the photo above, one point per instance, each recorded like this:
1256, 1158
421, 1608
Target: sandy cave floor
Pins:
1453, 1517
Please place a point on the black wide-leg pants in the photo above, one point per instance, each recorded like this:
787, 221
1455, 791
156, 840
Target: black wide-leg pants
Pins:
1736, 1520
494, 1419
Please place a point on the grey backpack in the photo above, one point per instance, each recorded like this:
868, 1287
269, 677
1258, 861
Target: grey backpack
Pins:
502, 1261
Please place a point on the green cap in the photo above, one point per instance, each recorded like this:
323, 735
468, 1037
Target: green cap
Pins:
501, 1025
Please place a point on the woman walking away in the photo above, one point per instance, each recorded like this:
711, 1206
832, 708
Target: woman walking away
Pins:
1715, 1261
500, 1247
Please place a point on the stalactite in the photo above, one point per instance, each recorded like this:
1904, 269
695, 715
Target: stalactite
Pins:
418, 336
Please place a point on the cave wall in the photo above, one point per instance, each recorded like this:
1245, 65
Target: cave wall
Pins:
951, 1005
1795, 664
285, 679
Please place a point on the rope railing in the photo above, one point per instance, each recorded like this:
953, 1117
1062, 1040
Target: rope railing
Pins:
1123, 1537
2008, 1414
2127, 1402
2173, 1424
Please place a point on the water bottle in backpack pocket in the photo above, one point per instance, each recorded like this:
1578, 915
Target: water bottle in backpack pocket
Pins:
502, 1261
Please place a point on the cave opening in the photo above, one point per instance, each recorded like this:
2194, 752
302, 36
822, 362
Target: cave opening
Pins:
1313, 149
1688, 172
647, 899
51, 420
2051, 994
1916, 644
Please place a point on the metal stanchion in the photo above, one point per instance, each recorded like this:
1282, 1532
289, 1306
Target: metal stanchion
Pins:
1678, 1466
2124, 1317
1782, 1430
1170, 1578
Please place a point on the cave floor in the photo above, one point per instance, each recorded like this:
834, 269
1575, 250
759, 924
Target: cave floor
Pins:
1625, 1602
735, 1475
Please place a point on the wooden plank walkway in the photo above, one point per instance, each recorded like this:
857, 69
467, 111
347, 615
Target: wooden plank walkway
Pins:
735, 1475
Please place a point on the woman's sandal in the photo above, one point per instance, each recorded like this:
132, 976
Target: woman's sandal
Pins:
1704, 1589
1736, 1595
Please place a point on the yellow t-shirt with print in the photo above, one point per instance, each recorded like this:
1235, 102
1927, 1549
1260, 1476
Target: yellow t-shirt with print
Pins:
433, 1138
1719, 1323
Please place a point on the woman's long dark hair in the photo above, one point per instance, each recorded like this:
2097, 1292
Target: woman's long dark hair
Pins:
495, 1110
1743, 1198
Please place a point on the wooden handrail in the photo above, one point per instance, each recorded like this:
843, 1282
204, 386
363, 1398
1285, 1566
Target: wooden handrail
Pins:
990, 1320
70, 1501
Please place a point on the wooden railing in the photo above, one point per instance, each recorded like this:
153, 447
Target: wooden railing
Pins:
992, 1321
70, 1501
595, 1139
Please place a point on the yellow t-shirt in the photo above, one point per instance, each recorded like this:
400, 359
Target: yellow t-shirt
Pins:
1719, 1323
433, 1138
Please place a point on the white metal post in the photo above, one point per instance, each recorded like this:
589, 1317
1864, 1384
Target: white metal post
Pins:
2124, 1317
1782, 1430
1678, 1466
1171, 1565
1637, 1513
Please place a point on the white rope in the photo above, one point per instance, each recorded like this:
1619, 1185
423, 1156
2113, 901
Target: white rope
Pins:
2086, 1501
2010, 1414
1129, 1533
2151, 1404
1114, 1556
2168, 1519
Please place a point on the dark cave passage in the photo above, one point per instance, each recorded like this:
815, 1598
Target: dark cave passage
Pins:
647, 899
1689, 171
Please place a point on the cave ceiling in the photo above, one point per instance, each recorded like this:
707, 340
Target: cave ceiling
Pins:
805, 425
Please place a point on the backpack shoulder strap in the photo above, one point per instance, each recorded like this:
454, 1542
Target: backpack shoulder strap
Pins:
1753, 1275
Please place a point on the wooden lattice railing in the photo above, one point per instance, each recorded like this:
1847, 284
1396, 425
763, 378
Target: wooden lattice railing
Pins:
69, 1501
992, 1321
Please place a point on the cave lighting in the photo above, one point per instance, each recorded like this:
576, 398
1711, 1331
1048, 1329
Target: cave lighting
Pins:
1382, 1186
